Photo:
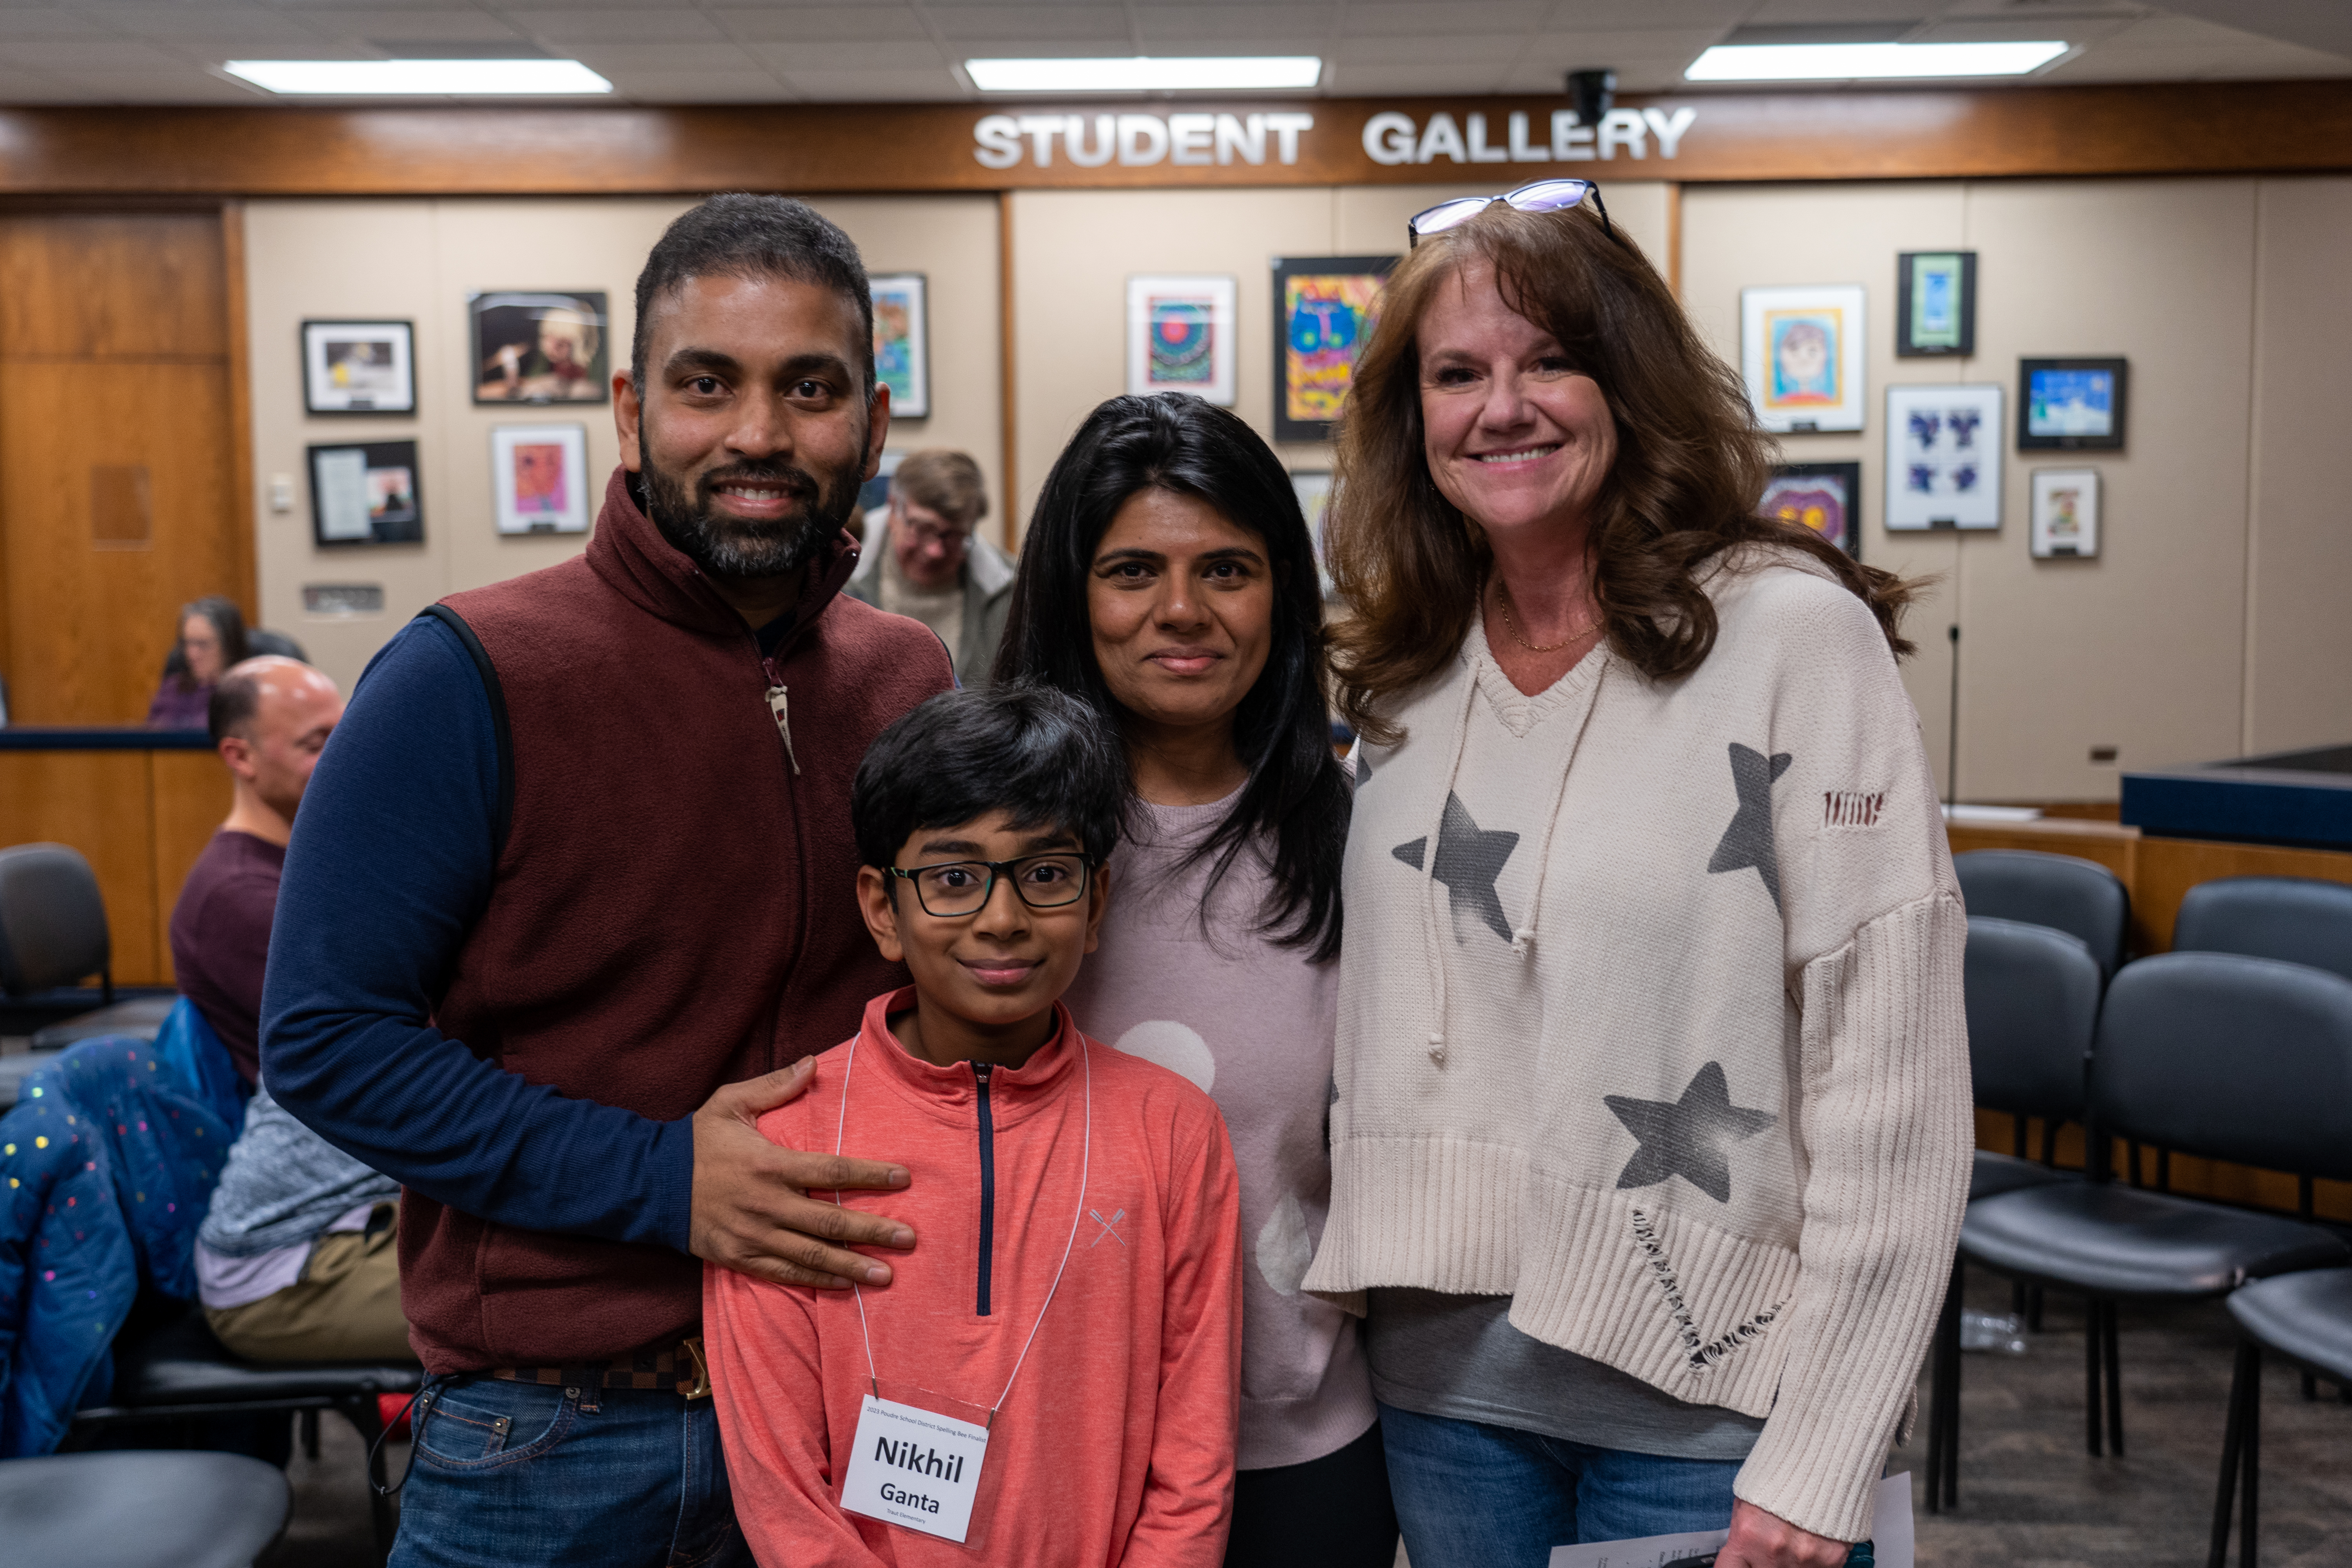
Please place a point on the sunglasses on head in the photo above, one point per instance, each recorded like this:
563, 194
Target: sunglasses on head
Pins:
1541, 196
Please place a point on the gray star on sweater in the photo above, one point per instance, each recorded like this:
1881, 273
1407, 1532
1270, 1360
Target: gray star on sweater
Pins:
1689, 1137
1749, 840
1469, 858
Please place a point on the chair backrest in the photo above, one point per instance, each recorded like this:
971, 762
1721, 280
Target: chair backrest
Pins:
2297, 920
2080, 897
2245, 1059
52, 919
2033, 1005
260, 640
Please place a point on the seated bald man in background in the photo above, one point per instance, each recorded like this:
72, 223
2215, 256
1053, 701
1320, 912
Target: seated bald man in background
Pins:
296, 1261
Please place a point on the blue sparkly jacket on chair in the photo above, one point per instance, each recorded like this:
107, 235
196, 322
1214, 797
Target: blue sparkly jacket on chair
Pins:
109, 1160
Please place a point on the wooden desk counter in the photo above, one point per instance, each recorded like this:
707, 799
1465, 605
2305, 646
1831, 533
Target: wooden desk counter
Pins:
140, 806
2159, 873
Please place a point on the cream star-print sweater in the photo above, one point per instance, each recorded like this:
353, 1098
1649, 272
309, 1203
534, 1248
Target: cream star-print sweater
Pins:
1651, 1018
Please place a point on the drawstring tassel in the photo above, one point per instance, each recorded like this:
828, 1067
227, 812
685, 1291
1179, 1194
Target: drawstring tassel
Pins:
1522, 938
1437, 1049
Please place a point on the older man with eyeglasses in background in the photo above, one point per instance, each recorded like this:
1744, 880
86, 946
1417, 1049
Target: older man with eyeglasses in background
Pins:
930, 565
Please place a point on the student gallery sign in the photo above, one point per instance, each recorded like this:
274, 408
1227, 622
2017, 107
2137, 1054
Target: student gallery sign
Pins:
1092, 140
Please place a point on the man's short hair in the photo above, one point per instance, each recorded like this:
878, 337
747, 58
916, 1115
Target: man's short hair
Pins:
1041, 756
753, 238
946, 482
237, 697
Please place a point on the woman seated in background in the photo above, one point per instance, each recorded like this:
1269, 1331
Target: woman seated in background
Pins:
212, 637
1169, 533
1653, 1127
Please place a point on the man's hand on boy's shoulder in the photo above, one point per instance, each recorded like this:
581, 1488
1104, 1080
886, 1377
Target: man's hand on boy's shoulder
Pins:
751, 1211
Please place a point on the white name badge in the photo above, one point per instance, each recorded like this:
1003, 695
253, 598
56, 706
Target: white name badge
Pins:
912, 1467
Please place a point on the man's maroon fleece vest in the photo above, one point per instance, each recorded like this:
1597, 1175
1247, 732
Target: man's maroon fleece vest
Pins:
674, 908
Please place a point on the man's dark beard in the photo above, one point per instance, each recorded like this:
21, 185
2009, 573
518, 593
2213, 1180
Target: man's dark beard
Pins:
735, 549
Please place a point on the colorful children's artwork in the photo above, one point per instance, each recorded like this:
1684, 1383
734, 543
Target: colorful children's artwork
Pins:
2065, 512
358, 367
1935, 304
2072, 403
1943, 456
1802, 356
1180, 337
1824, 496
365, 493
540, 347
1323, 311
902, 342
539, 474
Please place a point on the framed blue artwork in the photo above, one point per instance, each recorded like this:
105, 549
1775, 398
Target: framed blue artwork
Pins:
2071, 405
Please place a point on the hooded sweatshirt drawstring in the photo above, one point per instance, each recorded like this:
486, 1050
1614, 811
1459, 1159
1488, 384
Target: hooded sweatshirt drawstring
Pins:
1523, 935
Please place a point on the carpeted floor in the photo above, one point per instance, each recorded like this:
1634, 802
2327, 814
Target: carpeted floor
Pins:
2030, 1496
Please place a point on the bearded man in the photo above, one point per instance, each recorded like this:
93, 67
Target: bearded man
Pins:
575, 879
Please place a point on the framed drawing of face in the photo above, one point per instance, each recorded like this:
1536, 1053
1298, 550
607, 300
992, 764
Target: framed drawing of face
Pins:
1801, 352
1180, 336
1322, 306
539, 477
1824, 496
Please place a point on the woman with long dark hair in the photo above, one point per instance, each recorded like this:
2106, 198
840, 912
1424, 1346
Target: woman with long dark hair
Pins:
1169, 578
212, 638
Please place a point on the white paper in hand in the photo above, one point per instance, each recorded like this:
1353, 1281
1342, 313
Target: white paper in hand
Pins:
912, 1467
1890, 1532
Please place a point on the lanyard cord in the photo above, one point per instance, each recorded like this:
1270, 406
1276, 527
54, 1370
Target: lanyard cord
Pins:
1085, 1164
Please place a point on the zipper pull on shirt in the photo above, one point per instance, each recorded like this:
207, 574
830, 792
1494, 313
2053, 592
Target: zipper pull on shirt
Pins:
781, 709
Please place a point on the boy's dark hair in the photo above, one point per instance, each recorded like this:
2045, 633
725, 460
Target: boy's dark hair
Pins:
739, 235
1041, 756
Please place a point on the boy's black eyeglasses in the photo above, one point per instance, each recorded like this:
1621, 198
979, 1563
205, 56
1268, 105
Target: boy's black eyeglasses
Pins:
1541, 196
963, 887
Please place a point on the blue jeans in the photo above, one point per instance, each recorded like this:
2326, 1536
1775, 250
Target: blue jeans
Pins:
520, 1472
1470, 1495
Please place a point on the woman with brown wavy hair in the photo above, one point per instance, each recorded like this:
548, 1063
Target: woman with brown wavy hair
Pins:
1651, 1131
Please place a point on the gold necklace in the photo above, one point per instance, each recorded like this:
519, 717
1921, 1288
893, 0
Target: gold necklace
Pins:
1511, 625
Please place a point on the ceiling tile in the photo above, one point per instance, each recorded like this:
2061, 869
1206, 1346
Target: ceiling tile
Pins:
1413, 82
704, 87
891, 54
570, 26
607, 59
1790, 13
1501, 50
1007, 23
1455, 17
783, 24
878, 87
89, 55
46, 22
439, 24
190, 22
1238, 26
187, 85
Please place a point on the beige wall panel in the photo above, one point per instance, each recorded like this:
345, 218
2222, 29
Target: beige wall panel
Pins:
2142, 647
1074, 251
1753, 237
349, 260
2299, 637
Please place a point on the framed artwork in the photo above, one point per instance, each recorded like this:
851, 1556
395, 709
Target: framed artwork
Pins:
1943, 456
1800, 352
2073, 404
2065, 512
1824, 496
1314, 490
902, 343
359, 367
1935, 303
540, 347
1322, 306
538, 477
366, 493
1180, 337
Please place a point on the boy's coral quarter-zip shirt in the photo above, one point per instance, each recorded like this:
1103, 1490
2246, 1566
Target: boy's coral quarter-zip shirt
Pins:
1116, 1443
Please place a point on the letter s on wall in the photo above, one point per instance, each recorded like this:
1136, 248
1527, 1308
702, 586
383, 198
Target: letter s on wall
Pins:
998, 141
1388, 138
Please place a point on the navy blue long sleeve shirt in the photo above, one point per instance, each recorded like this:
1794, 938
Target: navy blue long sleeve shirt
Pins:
391, 864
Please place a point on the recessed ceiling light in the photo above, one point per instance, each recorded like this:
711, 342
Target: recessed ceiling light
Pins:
1141, 73
441, 78
1854, 62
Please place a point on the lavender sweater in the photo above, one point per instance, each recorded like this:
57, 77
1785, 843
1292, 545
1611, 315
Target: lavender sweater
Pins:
1254, 1025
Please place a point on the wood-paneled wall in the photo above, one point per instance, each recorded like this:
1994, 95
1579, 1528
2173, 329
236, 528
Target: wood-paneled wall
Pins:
2159, 873
116, 454
140, 818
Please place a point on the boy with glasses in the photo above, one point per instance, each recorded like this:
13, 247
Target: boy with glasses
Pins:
1052, 1376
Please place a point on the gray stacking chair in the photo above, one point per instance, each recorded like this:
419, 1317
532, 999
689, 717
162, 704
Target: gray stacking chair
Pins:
2081, 896
2033, 1003
2305, 1318
53, 936
2234, 1059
